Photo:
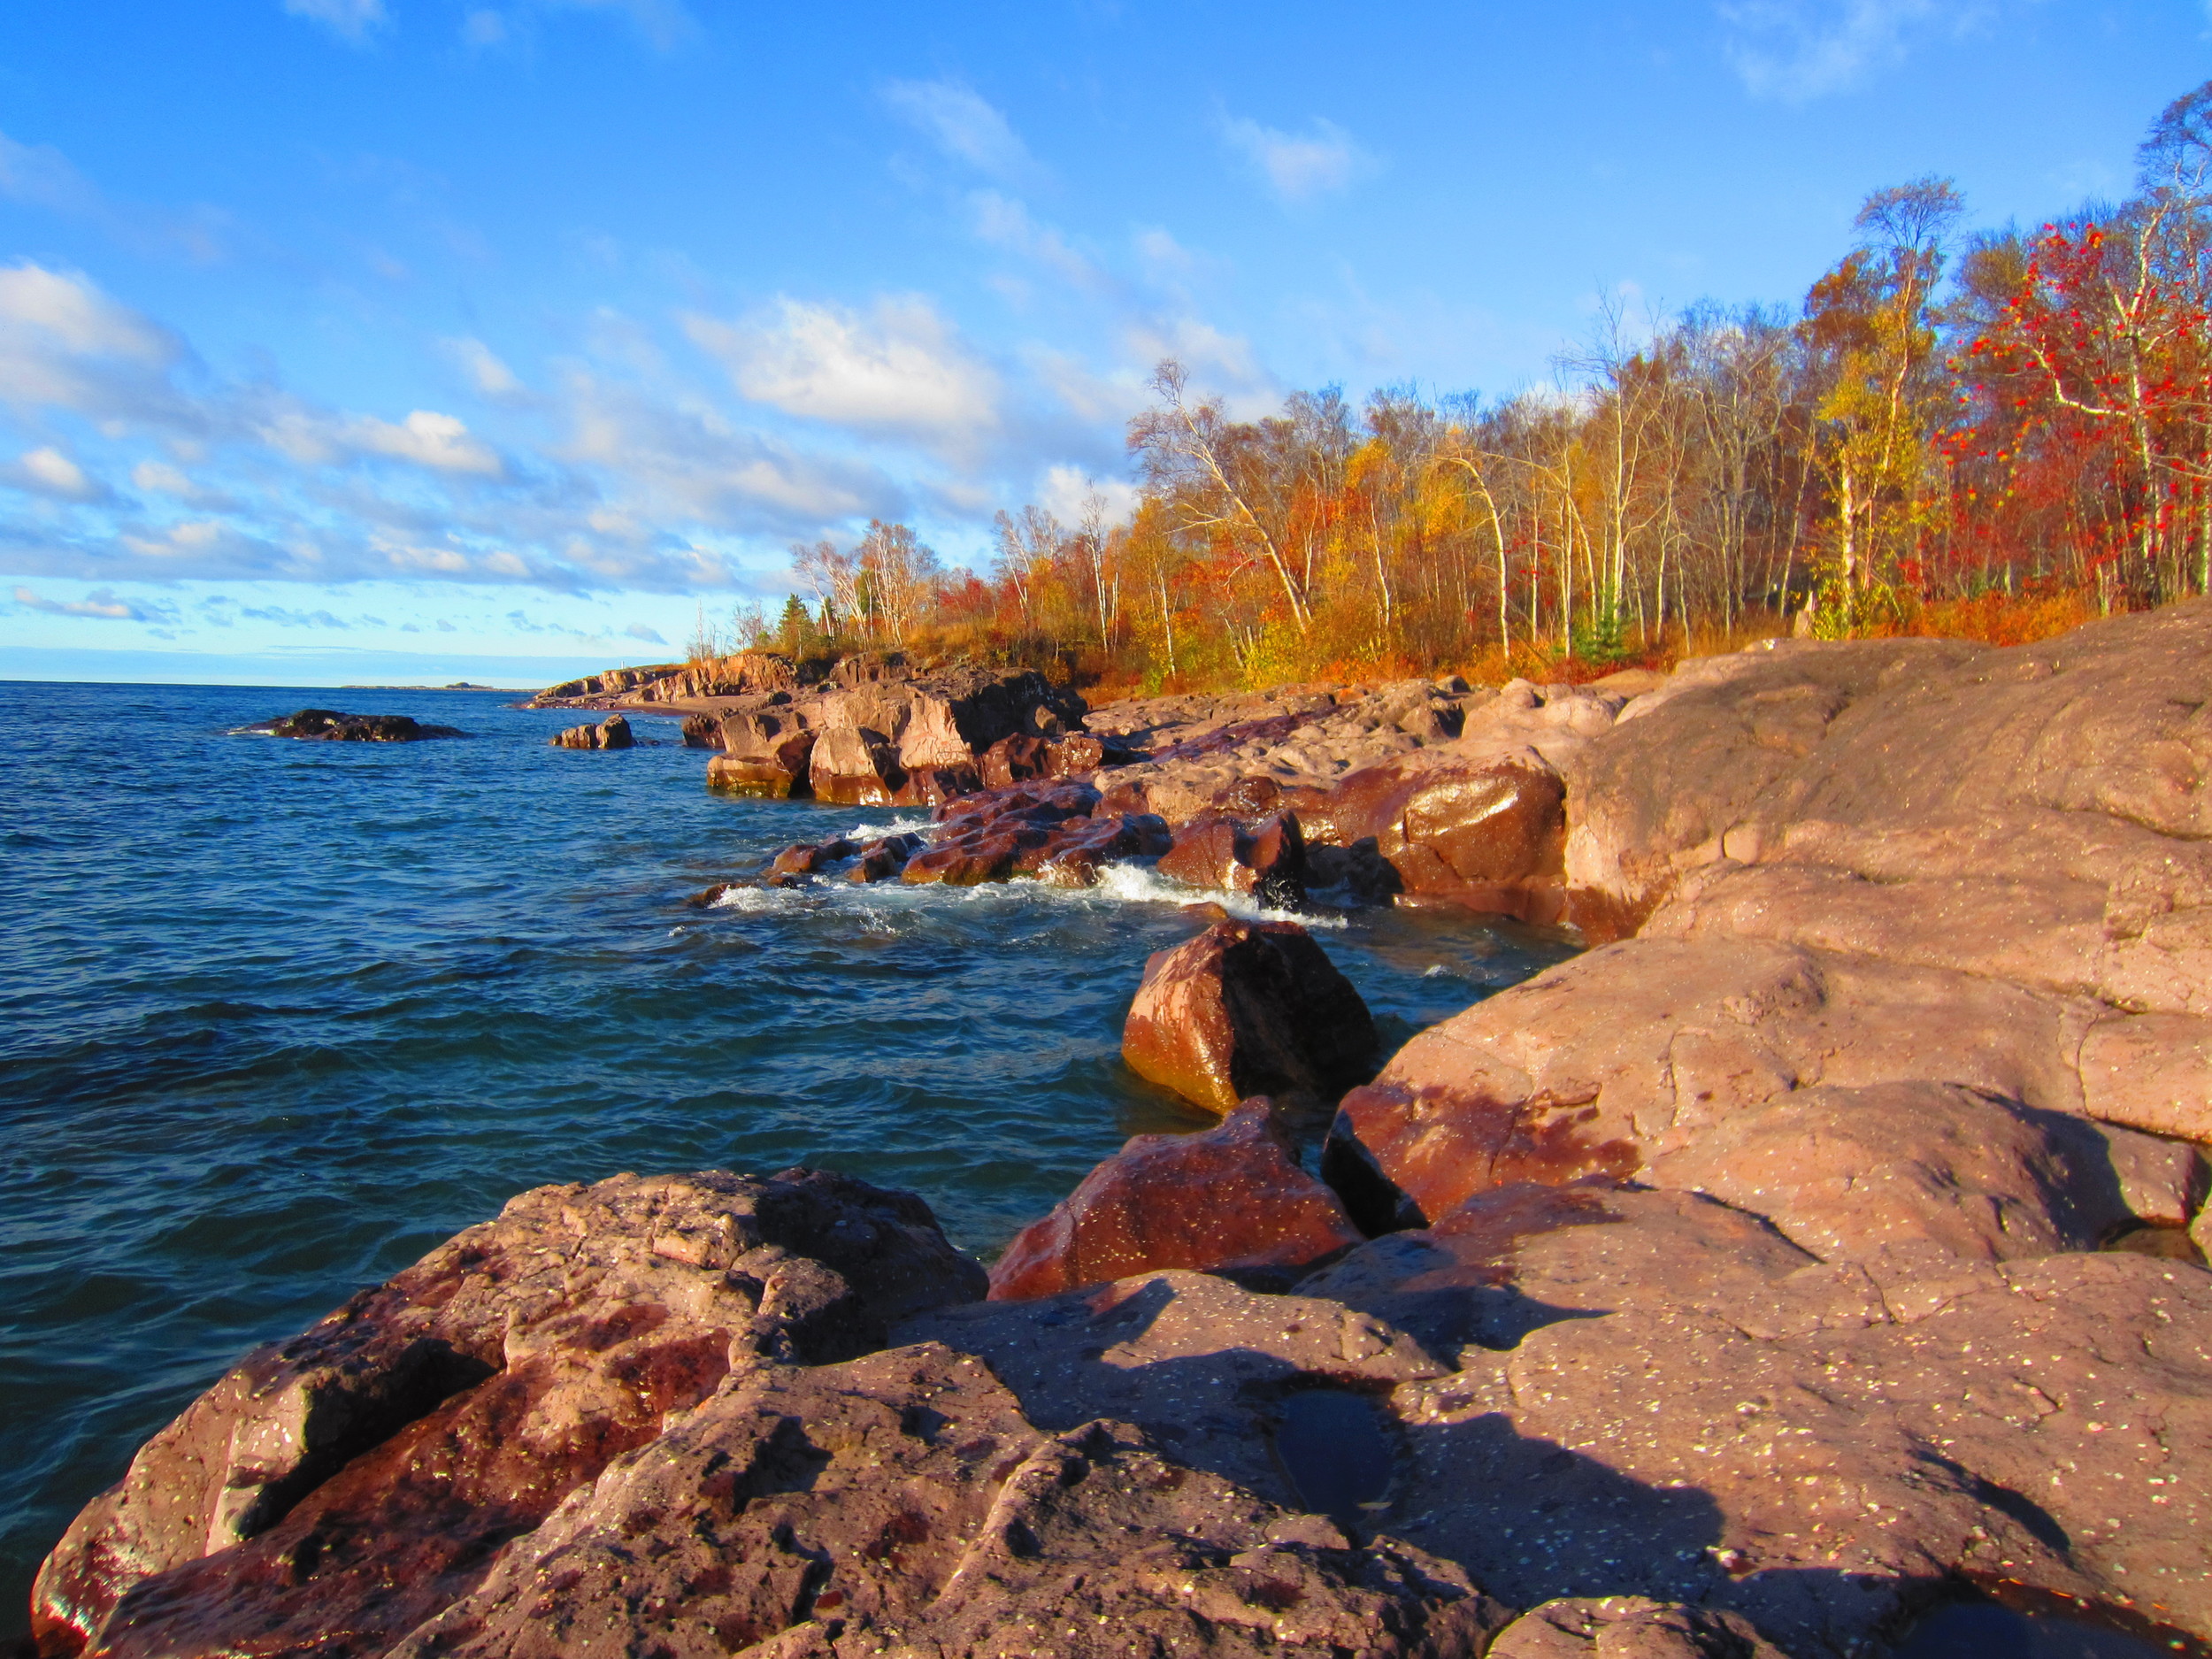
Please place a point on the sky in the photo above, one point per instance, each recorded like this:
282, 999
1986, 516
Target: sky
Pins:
409, 340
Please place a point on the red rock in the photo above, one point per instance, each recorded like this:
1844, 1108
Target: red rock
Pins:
1232, 1196
933, 786
904, 1503
778, 768
806, 858
333, 1492
854, 766
1266, 858
1015, 759
702, 731
1493, 836
881, 860
971, 860
1248, 1008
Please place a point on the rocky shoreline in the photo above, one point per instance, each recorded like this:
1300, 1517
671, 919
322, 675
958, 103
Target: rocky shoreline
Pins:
1823, 1245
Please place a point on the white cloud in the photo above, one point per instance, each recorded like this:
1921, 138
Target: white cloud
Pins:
428, 439
48, 472
1003, 222
638, 631
353, 21
73, 315
896, 368
962, 124
64, 344
665, 24
1794, 50
101, 603
160, 479
673, 461
1068, 493
490, 376
1298, 167
39, 175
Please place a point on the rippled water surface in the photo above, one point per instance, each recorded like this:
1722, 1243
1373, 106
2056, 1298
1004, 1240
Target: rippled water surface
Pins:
276, 1018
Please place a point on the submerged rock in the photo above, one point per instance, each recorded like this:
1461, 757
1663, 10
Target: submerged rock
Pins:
1228, 1198
1249, 1008
330, 727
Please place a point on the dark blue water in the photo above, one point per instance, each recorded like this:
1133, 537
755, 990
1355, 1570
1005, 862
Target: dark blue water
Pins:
275, 1017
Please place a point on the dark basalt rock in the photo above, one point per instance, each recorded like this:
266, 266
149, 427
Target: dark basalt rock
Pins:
330, 727
611, 732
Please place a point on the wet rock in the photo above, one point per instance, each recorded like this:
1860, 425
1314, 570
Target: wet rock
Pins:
702, 731
333, 1491
1248, 1008
832, 1512
1266, 858
1228, 1198
883, 859
806, 858
1359, 870
329, 727
611, 732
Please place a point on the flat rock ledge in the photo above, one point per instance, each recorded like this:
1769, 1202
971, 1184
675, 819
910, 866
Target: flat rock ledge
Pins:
1824, 1251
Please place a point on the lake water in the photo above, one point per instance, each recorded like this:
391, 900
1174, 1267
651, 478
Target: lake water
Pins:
276, 1018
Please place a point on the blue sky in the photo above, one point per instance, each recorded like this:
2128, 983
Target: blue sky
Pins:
411, 340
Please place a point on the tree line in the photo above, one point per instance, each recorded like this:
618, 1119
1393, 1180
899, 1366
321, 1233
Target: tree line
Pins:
1947, 420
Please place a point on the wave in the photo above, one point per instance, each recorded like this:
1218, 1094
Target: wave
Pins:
896, 827
1141, 884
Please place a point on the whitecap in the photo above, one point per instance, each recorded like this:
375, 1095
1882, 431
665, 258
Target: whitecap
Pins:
753, 899
1141, 884
878, 832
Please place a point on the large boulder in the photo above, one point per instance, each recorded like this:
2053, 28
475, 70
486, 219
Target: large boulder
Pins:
1653, 1059
332, 1492
1492, 836
1231, 1198
1248, 1008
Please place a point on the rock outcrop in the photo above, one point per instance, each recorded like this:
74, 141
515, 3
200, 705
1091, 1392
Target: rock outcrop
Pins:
874, 736
329, 725
1245, 1008
333, 1492
611, 732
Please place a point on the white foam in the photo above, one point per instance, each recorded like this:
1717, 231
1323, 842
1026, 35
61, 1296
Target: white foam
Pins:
1141, 884
877, 831
754, 899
